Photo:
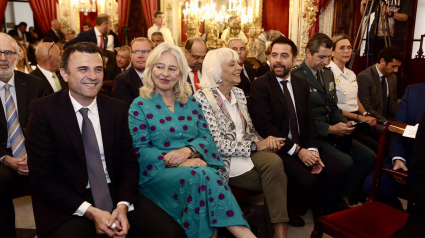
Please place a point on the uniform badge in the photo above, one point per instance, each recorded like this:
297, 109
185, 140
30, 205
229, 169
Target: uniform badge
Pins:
331, 86
345, 93
337, 81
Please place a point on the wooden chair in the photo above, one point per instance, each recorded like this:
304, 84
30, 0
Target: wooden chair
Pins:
373, 219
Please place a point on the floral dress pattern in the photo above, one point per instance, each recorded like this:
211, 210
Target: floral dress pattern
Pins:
196, 197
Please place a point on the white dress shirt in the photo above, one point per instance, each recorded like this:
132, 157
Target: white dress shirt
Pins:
140, 74
238, 164
191, 76
12, 90
346, 88
165, 32
291, 91
93, 115
49, 76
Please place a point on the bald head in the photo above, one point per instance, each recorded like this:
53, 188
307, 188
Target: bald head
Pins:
55, 25
48, 56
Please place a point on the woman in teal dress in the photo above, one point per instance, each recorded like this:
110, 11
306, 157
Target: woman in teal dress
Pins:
178, 159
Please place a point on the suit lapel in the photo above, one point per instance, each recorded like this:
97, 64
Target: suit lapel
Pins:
66, 114
106, 125
3, 116
21, 97
277, 89
377, 82
46, 82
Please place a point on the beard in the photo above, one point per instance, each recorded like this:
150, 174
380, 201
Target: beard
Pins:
5, 75
280, 73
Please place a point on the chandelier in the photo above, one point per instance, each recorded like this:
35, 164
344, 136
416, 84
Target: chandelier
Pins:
85, 6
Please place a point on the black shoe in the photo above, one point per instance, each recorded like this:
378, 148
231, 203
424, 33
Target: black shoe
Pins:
296, 221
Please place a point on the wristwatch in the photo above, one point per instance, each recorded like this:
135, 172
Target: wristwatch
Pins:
366, 114
253, 147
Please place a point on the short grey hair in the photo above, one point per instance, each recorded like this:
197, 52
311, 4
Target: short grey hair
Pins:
157, 33
233, 40
212, 66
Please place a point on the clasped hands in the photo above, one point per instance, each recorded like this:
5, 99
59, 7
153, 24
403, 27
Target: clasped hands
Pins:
270, 144
181, 157
113, 225
311, 159
17, 164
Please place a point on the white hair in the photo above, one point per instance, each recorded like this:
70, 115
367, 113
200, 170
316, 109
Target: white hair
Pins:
212, 67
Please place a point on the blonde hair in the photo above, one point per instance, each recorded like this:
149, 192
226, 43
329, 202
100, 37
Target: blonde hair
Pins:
212, 67
182, 90
141, 39
26, 62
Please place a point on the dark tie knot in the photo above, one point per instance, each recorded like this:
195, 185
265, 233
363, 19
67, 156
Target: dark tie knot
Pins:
6, 87
84, 112
284, 82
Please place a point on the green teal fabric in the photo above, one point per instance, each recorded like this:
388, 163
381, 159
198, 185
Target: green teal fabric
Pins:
323, 102
196, 197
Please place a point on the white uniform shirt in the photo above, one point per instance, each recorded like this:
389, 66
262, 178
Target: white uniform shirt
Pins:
346, 88
238, 164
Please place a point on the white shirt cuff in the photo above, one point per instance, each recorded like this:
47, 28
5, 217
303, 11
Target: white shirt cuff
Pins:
1, 159
398, 157
130, 207
82, 209
314, 149
292, 150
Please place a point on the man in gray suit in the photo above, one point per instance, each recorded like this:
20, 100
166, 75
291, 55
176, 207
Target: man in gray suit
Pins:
378, 85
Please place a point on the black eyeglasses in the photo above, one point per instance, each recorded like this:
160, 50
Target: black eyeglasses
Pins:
9, 54
197, 57
48, 52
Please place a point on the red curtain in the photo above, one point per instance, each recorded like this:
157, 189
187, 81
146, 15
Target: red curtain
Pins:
149, 7
3, 5
321, 5
276, 15
123, 13
44, 12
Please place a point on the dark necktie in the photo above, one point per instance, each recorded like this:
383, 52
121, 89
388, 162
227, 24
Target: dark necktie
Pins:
292, 115
97, 178
384, 96
319, 80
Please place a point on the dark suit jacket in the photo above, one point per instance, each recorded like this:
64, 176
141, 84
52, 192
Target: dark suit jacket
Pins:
245, 83
370, 93
269, 113
28, 88
15, 33
112, 72
87, 36
52, 35
262, 70
57, 159
409, 112
49, 89
126, 86
324, 103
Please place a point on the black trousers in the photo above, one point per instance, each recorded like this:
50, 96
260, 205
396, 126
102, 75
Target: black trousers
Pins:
8, 179
147, 220
305, 188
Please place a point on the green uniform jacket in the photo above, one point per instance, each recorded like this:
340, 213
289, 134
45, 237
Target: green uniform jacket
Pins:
324, 103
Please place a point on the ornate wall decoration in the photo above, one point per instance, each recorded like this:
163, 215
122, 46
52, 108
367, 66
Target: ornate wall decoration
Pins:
326, 19
309, 16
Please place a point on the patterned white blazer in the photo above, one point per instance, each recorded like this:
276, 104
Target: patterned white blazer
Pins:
223, 129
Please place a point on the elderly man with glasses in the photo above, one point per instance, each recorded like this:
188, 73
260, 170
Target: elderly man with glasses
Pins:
17, 90
49, 58
127, 84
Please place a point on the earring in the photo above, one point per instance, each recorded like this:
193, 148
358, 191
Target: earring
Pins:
220, 81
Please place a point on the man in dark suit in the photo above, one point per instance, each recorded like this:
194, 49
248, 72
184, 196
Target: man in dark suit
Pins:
17, 90
49, 57
248, 73
22, 32
400, 148
378, 85
280, 106
54, 34
121, 64
127, 84
97, 35
84, 171
328, 117
195, 51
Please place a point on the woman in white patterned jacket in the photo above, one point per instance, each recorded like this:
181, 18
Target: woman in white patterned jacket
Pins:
251, 162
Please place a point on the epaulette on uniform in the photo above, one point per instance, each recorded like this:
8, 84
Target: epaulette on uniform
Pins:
295, 68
